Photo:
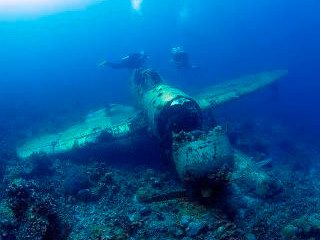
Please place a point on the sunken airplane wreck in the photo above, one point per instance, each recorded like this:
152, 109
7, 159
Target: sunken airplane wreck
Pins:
203, 158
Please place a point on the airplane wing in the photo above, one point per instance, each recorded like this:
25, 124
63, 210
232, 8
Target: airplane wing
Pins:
118, 121
115, 121
227, 91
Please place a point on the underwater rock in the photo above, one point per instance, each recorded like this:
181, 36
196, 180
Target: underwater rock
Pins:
156, 183
307, 226
195, 228
250, 236
145, 211
85, 195
41, 165
179, 233
8, 222
36, 212
185, 220
251, 178
290, 231
19, 195
192, 226
76, 181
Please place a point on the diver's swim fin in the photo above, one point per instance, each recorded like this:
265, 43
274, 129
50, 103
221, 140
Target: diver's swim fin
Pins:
102, 64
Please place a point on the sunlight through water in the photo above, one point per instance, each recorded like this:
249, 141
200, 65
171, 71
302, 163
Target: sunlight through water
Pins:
136, 4
13, 9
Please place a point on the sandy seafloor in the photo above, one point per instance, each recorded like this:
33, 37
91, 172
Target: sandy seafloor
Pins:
45, 198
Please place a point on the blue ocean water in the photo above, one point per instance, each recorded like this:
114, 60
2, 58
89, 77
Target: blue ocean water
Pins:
49, 76
49, 63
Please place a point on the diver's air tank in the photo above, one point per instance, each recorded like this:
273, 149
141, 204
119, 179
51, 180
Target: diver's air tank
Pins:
169, 110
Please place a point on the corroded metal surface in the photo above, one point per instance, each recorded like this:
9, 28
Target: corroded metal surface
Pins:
204, 156
114, 121
228, 91
161, 105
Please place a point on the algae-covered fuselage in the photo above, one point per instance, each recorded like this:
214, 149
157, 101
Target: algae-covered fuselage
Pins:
166, 112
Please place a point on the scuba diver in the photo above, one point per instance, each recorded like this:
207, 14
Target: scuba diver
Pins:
132, 61
181, 58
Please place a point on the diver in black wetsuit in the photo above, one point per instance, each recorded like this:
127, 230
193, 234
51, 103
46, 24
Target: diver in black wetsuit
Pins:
132, 61
181, 58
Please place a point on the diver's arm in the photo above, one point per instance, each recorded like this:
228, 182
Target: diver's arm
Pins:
125, 58
110, 64
102, 64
